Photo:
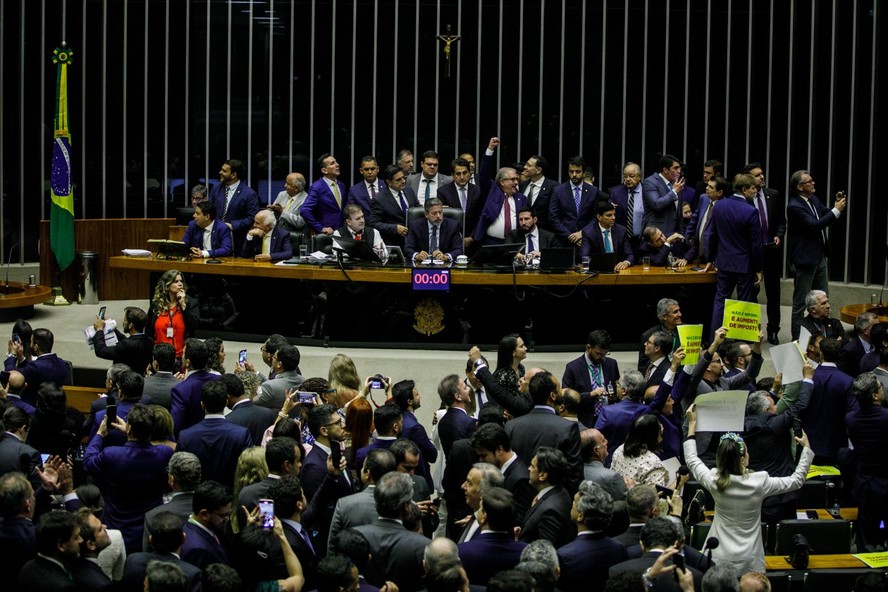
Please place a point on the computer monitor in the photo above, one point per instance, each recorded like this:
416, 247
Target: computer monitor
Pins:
356, 249
496, 255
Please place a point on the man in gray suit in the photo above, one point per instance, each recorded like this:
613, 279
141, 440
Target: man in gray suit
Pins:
594, 452
159, 385
285, 364
662, 195
427, 183
359, 508
183, 475
397, 552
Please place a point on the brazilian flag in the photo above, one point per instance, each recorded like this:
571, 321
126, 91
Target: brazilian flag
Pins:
61, 220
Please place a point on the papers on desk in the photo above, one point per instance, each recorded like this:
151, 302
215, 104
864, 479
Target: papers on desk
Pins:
110, 335
136, 252
316, 257
788, 361
721, 411
873, 560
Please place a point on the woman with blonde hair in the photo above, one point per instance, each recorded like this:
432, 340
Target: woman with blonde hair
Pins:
162, 434
172, 315
343, 372
251, 468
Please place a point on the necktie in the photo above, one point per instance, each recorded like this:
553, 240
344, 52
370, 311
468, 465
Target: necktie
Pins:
357, 236
763, 217
705, 220
428, 189
650, 371
577, 198
305, 537
403, 201
462, 197
337, 195
631, 213
433, 242
290, 203
507, 218
816, 217
530, 194
266, 244
227, 197
530, 248
373, 192
608, 247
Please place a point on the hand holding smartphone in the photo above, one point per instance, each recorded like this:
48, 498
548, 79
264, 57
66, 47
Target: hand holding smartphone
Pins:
266, 514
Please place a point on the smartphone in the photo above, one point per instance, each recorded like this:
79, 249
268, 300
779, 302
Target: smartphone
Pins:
16, 338
111, 412
664, 492
266, 514
242, 357
44, 458
336, 453
305, 397
678, 561
102, 312
797, 428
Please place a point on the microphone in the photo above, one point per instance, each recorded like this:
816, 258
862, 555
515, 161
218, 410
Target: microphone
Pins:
711, 543
8, 263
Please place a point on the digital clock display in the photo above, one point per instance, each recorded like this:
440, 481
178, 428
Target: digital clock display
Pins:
431, 279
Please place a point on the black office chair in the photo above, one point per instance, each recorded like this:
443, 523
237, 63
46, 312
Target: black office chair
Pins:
813, 495
414, 214
699, 534
780, 581
824, 536
323, 243
833, 580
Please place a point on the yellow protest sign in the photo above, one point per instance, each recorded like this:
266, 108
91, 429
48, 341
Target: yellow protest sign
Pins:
874, 560
820, 470
742, 319
691, 337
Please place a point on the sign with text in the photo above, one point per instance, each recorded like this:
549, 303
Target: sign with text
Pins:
431, 279
742, 319
722, 411
788, 361
690, 337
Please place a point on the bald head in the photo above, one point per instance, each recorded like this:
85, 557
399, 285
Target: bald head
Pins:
295, 184
16, 382
440, 554
524, 383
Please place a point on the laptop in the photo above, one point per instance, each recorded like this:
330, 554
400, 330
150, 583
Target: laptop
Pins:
557, 259
497, 256
356, 250
603, 262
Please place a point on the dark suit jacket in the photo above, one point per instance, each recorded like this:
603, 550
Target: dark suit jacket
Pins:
459, 462
242, 207
319, 208
413, 430
621, 241
665, 583
550, 519
201, 548
659, 257
42, 575
386, 214
546, 240
361, 453
585, 561
699, 245
397, 554
186, 409
489, 553
279, 249
516, 404
220, 238
449, 238
46, 368
217, 443
615, 420
806, 246
18, 543
253, 417
137, 564
660, 204
136, 351
541, 427
827, 327
619, 196
563, 213
736, 241
449, 194
15, 455
516, 478
455, 425
541, 201
852, 353
492, 208
308, 557
158, 389
180, 505
360, 196
576, 376
88, 575
824, 419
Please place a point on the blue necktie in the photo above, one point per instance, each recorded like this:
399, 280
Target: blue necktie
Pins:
428, 191
608, 247
577, 198
403, 201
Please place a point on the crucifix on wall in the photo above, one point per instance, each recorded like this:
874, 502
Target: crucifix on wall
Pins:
448, 40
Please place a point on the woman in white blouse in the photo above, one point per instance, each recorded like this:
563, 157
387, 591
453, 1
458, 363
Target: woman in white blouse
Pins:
637, 458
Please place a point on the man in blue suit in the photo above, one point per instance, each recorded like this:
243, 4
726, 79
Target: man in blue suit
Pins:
502, 201
699, 230
807, 221
388, 212
434, 237
456, 423
463, 195
44, 365
615, 420
185, 396
605, 236
736, 247
211, 510
831, 400
593, 375
236, 204
408, 399
166, 535
387, 420
322, 209
493, 549
206, 236
266, 241
662, 195
216, 441
364, 192
628, 200
573, 204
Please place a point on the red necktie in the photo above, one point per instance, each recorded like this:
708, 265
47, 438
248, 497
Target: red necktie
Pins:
507, 222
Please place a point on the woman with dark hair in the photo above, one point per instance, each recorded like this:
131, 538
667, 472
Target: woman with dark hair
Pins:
216, 357
637, 458
256, 555
172, 315
23, 329
738, 495
55, 427
509, 369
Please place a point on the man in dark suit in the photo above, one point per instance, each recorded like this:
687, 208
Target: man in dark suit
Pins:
772, 216
15, 455
158, 386
364, 192
593, 375
235, 202
129, 493
642, 503
265, 241
573, 204
434, 237
289, 505
85, 570
818, 320
669, 315
397, 552
656, 537
605, 236
657, 348
531, 236
387, 420
501, 198
585, 560
166, 535
183, 476
549, 514
859, 345
206, 236
185, 397
18, 535
210, 512
14, 388
359, 508
408, 399
136, 350
831, 400
662, 191
462, 195
216, 441
699, 230
58, 544
456, 423
492, 444
388, 212
493, 549
542, 427
615, 420
244, 412
627, 198
283, 458
129, 391
322, 209
44, 365
736, 247
807, 221
538, 188
426, 183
